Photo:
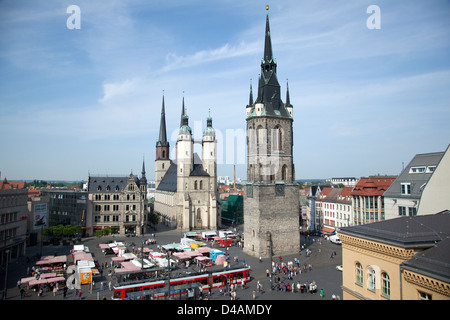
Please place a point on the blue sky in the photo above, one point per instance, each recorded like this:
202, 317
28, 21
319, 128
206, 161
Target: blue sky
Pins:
85, 101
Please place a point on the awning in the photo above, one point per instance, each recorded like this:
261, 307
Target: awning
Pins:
328, 230
34, 282
56, 279
47, 275
26, 280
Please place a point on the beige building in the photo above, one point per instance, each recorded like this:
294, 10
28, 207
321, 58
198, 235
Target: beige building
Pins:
405, 258
403, 196
186, 195
117, 202
435, 196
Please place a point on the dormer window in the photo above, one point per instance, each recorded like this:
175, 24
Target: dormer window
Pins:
406, 188
417, 169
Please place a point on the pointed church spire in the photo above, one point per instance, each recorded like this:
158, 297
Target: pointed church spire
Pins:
162, 128
288, 100
268, 55
182, 112
143, 168
250, 100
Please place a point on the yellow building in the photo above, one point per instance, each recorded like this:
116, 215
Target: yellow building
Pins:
407, 258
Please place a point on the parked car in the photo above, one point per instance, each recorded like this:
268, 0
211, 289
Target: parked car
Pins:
339, 268
335, 239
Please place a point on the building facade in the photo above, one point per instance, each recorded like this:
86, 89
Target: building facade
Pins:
66, 206
402, 198
368, 199
271, 203
186, 193
435, 194
119, 203
405, 258
13, 220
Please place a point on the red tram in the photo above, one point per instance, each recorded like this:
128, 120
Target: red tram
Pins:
154, 289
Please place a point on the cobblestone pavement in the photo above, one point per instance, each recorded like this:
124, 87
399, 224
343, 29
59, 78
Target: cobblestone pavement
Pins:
323, 270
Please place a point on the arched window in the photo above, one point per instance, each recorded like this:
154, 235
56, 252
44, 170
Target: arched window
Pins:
164, 154
385, 285
201, 184
284, 173
371, 279
277, 139
359, 274
261, 140
195, 185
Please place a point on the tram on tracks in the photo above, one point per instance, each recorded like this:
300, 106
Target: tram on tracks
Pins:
157, 289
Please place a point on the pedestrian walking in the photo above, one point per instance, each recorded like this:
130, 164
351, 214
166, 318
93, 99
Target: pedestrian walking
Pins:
321, 293
79, 295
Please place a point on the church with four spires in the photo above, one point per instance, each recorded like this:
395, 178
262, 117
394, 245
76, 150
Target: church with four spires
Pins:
186, 187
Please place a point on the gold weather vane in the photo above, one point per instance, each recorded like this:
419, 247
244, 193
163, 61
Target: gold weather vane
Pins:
267, 8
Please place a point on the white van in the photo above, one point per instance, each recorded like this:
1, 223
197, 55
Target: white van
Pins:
208, 235
335, 239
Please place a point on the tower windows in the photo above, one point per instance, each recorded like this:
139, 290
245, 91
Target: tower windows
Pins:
284, 173
277, 139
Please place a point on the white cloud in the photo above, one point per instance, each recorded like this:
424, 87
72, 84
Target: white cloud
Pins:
119, 89
174, 61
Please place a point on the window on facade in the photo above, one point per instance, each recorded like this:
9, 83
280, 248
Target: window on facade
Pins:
371, 279
277, 138
401, 211
195, 185
385, 285
424, 296
201, 184
284, 173
412, 211
417, 169
406, 188
359, 274
431, 169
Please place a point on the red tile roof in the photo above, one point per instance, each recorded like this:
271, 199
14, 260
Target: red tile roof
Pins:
372, 186
8, 185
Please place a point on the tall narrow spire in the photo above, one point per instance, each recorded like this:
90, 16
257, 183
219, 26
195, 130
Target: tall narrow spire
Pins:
250, 99
162, 127
182, 112
288, 100
268, 55
143, 168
